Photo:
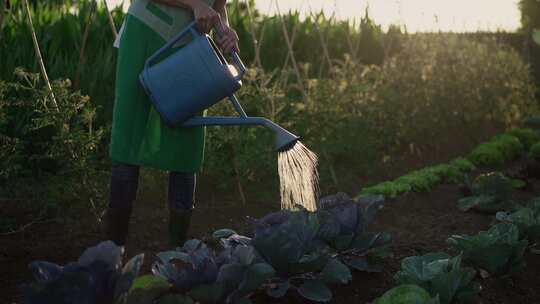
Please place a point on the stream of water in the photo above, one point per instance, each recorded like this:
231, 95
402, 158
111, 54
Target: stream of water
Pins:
298, 177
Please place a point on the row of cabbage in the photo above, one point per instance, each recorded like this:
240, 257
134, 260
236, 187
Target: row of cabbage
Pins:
309, 252
298, 251
501, 148
441, 278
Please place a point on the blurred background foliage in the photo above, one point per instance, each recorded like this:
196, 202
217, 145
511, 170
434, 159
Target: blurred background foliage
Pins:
372, 103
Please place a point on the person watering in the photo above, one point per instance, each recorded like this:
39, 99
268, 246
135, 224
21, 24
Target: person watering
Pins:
139, 137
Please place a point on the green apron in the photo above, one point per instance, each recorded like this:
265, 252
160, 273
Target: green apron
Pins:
138, 135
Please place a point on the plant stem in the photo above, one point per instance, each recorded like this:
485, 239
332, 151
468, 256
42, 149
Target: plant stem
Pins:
38, 54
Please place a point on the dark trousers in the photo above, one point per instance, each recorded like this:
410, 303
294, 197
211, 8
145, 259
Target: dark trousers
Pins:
125, 181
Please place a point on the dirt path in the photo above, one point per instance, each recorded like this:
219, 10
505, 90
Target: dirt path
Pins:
420, 223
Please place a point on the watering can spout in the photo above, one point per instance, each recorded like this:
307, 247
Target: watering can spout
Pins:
284, 139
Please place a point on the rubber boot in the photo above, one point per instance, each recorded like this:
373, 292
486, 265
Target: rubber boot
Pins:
117, 224
179, 221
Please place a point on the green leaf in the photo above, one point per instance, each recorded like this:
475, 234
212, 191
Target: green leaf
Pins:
518, 183
406, 294
223, 233
336, 272
536, 36
465, 204
420, 269
362, 264
244, 254
146, 289
315, 290
255, 277
365, 241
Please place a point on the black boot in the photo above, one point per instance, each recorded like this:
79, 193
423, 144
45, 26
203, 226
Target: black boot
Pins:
179, 221
117, 224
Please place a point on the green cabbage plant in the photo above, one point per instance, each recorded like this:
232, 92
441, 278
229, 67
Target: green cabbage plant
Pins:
527, 219
489, 193
441, 275
388, 189
498, 251
407, 294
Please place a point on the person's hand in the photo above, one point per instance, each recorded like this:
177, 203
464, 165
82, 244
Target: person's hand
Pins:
205, 17
227, 39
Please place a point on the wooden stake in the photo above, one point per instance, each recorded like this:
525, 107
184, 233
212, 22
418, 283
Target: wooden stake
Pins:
323, 40
38, 54
77, 80
291, 53
2, 12
256, 48
111, 20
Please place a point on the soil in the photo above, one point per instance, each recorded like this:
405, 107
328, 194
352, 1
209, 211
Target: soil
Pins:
419, 223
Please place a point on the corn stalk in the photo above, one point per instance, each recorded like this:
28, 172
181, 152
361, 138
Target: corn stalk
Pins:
38, 54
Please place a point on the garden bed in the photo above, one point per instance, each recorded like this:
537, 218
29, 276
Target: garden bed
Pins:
419, 223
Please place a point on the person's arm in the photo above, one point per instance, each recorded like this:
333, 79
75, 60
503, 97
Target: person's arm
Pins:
229, 39
205, 16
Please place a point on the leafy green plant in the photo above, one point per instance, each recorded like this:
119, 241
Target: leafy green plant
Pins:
462, 164
39, 140
407, 294
498, 251
97, 277
343, 228
536, 36
528, 137
441, 275
287, 241
421, 180
446, 172
509, 145
534, 152
486, 154
527, 219
388, 189
489, 193
497, 151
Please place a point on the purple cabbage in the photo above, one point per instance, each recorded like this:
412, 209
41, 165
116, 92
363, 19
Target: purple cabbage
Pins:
97, 277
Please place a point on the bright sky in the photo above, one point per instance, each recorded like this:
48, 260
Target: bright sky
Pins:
416, 15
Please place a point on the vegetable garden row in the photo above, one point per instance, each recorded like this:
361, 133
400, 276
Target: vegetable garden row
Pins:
308, 253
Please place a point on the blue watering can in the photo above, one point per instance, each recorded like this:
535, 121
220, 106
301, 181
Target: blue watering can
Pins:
196, 77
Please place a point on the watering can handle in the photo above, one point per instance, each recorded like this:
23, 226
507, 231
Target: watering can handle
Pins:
188, 29
191, 29
236, 58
